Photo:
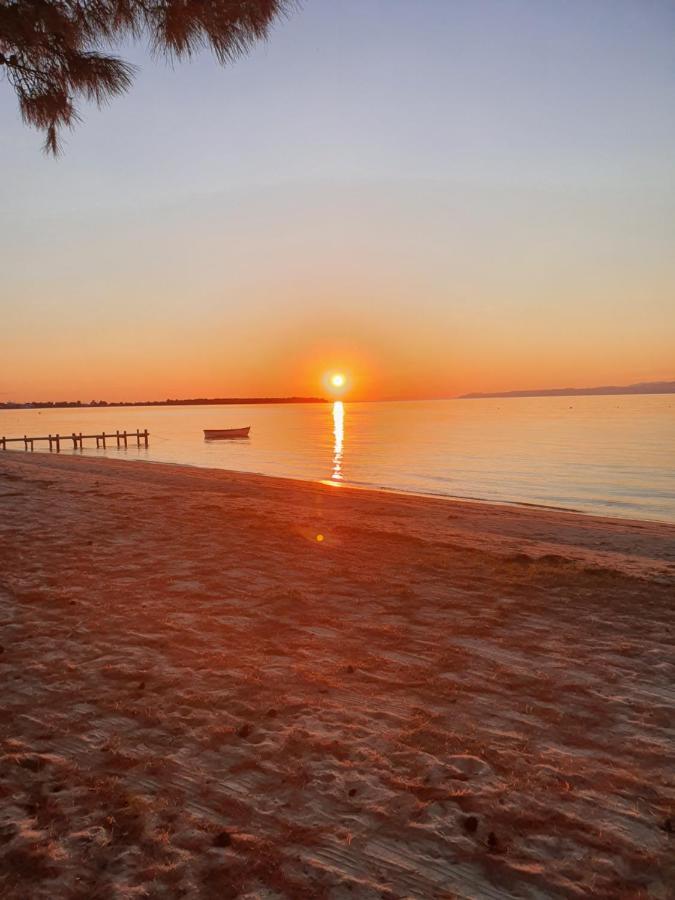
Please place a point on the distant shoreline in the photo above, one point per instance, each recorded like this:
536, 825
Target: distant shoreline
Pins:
649, 387
199, 401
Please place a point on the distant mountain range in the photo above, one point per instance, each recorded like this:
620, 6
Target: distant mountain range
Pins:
644, 387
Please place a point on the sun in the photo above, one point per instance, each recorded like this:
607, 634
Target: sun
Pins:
337, 380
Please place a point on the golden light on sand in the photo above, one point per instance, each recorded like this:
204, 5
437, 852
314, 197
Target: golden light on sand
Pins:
338, 380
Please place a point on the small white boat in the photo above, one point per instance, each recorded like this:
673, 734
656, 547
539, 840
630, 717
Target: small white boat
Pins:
216, 434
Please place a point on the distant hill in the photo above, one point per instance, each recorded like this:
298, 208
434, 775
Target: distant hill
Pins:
645, 387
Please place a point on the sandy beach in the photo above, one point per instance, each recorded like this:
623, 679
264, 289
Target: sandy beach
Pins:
219, 685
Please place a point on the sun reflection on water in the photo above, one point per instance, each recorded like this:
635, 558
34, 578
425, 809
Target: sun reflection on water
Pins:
338, 435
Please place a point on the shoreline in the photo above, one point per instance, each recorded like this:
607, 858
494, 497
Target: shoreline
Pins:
225, 684
516, 521
368, 487
384, 489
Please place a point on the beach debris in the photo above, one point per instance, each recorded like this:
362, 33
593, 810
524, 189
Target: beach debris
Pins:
493, 843
222, 839
245, 730
470, 824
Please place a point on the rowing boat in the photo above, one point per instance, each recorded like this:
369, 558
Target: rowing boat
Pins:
215, 434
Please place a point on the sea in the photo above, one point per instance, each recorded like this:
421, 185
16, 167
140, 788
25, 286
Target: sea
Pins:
612, 456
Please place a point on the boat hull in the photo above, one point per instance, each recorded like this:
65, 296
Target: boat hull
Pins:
219, 434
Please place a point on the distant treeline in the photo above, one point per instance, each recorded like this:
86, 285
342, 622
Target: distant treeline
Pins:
197, 401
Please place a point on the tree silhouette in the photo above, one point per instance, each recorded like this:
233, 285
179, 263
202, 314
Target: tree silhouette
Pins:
52, 51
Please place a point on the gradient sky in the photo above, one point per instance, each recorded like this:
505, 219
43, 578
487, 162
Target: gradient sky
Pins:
436, 196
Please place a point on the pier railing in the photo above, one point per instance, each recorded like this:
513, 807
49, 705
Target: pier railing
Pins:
120, 437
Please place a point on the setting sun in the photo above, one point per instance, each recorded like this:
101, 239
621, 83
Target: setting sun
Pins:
338, 380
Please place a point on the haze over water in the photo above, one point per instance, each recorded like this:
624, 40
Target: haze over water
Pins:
605, 455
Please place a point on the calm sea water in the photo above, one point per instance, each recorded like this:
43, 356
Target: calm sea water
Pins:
607, 455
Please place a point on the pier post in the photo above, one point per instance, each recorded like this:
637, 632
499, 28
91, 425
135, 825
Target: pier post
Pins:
77, 437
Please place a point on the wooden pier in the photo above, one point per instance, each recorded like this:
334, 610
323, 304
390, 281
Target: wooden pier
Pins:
120, 437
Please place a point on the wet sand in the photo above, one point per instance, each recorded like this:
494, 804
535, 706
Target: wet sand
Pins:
220, 685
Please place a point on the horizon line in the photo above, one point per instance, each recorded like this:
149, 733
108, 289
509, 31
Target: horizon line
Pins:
664, 386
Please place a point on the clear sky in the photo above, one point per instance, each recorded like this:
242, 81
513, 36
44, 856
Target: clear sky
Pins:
436, 196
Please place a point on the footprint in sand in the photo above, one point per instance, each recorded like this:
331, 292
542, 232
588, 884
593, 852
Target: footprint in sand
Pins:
469, 766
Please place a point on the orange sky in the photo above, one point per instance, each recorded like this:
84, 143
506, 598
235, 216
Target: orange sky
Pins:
492, 218
411, 295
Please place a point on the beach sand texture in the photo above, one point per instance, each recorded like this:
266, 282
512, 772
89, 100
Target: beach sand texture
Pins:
200, 698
